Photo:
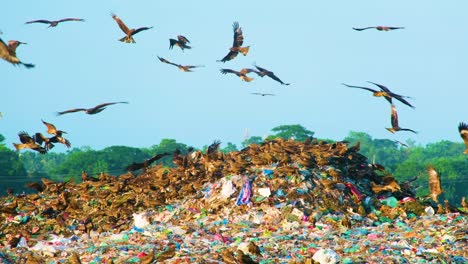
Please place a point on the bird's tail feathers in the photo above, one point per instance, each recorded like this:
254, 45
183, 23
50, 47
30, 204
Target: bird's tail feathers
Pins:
244, 50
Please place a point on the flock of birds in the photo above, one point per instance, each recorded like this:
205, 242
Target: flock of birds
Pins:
8, 53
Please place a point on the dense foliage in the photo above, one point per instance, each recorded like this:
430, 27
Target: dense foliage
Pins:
404, 162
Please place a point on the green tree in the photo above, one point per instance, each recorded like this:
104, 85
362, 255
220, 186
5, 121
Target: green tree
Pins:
230, 147
297, 132
252, 140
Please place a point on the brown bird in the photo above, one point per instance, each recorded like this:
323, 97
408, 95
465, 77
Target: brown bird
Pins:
28, 142
264, 94
464, 204
145, 164
384, 92
54, 23
8, 53
379, 28
237, 44
463, 129
394, 120
40, 138
91, 111
57, 138
184, 68
242, 73
51, 129
180, 42
262, 72
128, 32
434, 183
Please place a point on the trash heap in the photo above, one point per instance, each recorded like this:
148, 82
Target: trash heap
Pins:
280, 185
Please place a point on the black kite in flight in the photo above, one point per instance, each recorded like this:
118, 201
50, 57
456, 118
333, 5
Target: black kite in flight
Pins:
184, 68
91, 111
463, 129
128, 32
379, 28
180, 42
55, 22
8, 53
394, 120
237, 44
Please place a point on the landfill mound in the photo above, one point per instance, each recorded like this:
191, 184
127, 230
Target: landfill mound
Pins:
281, 179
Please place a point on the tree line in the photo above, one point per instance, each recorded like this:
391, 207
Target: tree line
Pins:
404, 160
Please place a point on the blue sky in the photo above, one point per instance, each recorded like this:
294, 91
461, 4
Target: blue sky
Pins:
307, 43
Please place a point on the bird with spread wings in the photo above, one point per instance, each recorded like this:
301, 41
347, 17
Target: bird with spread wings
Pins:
242, 73
28, 142
394, 120
379, 28
264, 94
128, 32
57, 138
8, 53
463, 130
54, 23
90, 111
184, 68
435, 188
236, 45
384, 92
180, 42
262, 72
146, 163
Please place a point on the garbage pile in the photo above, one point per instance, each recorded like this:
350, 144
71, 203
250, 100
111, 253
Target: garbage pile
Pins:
216, 208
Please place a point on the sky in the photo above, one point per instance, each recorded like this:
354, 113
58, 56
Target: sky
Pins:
310, 44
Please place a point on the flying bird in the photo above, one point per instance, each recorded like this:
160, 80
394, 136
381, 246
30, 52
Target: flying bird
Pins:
379, 28
8, 53
264, 94
242, 73
237, 44
262, 72
128, 32
91, 111
40, 138
394, 120
401, 143
28, 142
184, 68
51, 129
55, 22
180, 42
434, 183
145, 164
384, 92
463, 129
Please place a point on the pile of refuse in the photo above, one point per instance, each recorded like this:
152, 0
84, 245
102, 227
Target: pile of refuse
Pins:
256, 204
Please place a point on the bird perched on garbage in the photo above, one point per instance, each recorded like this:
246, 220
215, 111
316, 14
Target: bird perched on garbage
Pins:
264, 94
184, 68
384, 92
180, 42
145, 164
242, 73
90, 111
435, 188
394, 120
8, 53
236, 45
128, 32
28, 142
262, 72
54, 23
463, 130
379, 28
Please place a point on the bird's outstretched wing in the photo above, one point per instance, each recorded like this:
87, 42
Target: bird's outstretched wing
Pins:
71, 111
463, 130
264, 94
70, 19
140, 29
270, 74
168, 62
25, 138
51, 129
172, 42
360, 87
39, 21
361, 29
121, 24
238, 36
183, 39
394, 118
106, 104
225, 71
231, 55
